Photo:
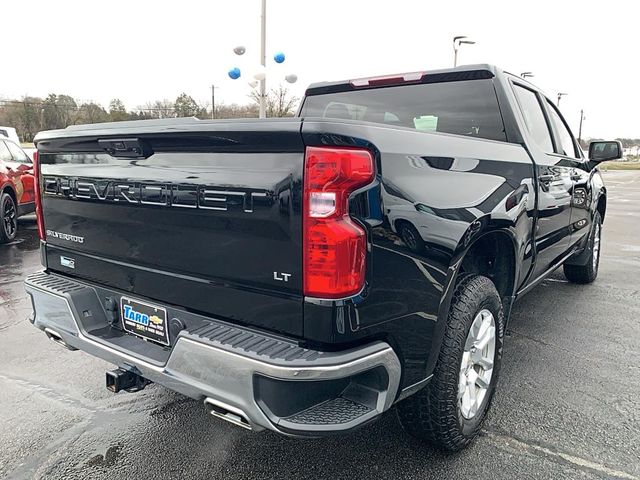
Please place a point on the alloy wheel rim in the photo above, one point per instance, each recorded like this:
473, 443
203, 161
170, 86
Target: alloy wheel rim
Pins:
596, 246
476, 368
409, 238
9, 218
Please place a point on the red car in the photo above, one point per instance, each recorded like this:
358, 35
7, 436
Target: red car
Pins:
17, 195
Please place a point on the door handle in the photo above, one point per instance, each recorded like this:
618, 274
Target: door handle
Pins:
576, 178
547, 178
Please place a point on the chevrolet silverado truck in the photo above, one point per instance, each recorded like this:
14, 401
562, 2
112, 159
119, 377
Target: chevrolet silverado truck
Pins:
306, 274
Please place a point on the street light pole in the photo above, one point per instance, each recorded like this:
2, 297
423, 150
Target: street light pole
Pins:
260, 78
560, 95
263, 58
455, 53
457, 41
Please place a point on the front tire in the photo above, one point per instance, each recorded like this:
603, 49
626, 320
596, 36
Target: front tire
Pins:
451, 409
411, 237
588, 272
8, 218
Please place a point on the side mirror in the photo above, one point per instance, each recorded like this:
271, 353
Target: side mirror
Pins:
603, 151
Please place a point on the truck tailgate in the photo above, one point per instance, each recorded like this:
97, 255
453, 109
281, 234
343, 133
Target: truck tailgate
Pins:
207, 218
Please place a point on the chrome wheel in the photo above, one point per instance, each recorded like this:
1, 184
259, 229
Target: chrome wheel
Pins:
596, 246
9, 217
476, 368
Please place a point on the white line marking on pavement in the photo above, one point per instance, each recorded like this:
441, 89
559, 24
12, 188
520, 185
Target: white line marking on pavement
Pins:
572, 459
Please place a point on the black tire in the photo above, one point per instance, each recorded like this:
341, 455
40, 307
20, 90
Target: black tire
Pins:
8, 218
411, 237
588, 272
434, 414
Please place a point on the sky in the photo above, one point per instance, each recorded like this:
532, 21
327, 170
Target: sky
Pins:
143, 50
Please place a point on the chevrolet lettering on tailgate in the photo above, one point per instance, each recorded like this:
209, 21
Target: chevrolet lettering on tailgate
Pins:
165, 194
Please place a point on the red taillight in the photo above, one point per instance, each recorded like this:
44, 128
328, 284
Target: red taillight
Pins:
38, 193
334, 245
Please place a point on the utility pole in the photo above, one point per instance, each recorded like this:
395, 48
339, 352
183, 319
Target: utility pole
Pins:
263, 58
580, 128
213, 102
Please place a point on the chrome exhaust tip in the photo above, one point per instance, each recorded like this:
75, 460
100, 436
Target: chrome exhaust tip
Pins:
226, 412
55, 337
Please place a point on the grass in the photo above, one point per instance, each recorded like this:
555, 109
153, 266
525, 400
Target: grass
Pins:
619, 166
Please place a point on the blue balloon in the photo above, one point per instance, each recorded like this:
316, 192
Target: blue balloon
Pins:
279, 57
234, 73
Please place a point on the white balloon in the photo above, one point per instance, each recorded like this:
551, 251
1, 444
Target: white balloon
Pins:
253, 83
291, 78
260, 76
239, 50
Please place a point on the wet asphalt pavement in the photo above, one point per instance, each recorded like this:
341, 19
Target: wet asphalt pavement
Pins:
568, 403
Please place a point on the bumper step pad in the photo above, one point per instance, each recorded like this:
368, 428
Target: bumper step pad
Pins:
334, 412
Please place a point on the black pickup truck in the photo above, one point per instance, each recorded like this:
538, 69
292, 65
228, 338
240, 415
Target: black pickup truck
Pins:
304, 275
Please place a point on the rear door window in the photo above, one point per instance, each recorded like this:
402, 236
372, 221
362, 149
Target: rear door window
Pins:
468, 107
534, 118
567, 143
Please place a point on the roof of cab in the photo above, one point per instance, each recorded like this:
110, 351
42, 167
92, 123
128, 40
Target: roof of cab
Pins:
484, 70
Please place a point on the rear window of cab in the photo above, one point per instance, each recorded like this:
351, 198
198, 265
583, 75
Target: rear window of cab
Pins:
468, 107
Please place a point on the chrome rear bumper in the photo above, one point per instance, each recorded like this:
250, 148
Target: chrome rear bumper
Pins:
257, 379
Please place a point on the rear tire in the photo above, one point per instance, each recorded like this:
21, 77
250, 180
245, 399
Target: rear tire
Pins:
8, 218
440, 413
589, 272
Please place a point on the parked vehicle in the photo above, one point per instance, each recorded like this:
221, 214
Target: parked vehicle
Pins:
17, 194
10, 133
264, 267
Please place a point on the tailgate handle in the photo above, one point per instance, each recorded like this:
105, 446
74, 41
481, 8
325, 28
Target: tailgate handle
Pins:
126, 147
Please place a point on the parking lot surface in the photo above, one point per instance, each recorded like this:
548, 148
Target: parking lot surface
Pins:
567, 405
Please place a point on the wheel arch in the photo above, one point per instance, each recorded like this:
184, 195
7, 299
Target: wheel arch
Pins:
601, 205
8, 188
498, 248
478, 236
399, 221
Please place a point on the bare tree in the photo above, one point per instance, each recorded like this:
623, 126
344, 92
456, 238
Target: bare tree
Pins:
159, 109
32, 114
279, 101
237, 111
25, 115
59, 111
92, 113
